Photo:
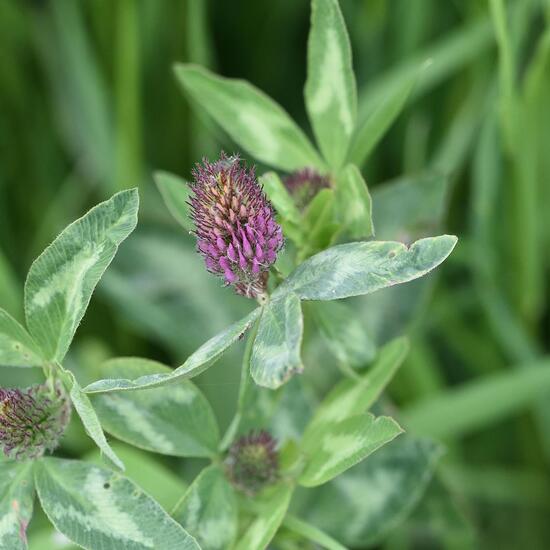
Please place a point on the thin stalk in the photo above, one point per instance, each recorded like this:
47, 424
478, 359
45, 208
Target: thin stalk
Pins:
310, 532
245, 382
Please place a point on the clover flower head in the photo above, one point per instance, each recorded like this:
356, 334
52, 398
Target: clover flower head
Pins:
32, 420
252, 462
234, 224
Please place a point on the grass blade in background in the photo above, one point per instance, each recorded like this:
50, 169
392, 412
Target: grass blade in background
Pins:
78, 89
11, 292
379, 117
447, 56
128, 157
479, 404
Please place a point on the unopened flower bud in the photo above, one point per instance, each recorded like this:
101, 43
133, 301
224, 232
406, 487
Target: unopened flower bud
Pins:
234, 224
32, 420
252, 462
304, 184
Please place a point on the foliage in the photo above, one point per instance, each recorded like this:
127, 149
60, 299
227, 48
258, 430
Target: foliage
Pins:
353, 340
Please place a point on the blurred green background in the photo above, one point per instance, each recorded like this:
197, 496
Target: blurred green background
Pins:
89, 106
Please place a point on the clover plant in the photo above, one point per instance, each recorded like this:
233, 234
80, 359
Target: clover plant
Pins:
296, 242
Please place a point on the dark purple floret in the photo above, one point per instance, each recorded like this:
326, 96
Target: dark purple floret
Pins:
235, 224
304, 184
32, 420
252, 462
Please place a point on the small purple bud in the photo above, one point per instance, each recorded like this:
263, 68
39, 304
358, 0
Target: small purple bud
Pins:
304, 184
32, 420
235, 224
252, 462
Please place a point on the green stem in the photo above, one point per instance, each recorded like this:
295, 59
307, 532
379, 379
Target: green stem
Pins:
311, 533
245, 382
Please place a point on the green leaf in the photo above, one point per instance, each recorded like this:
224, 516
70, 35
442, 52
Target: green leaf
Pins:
97, 508
89, 418
440, 514
176, 420
48, 538
278, 194
272, 510
196, 363
252, 119
148, 471
478, 404
289, 216
17, 348
276, 350
319, 226
353, 203
336, 446
380, 117
208, 510
175, 192
375, 496
330, 91
62, 279
343, 333
352, 397
16, 503
361, 268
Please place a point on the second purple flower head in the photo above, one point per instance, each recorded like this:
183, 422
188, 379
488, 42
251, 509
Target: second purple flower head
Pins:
234, 224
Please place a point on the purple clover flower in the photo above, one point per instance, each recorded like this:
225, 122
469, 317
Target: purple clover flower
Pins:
234, 224
252, 462
304, 184
32, 420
